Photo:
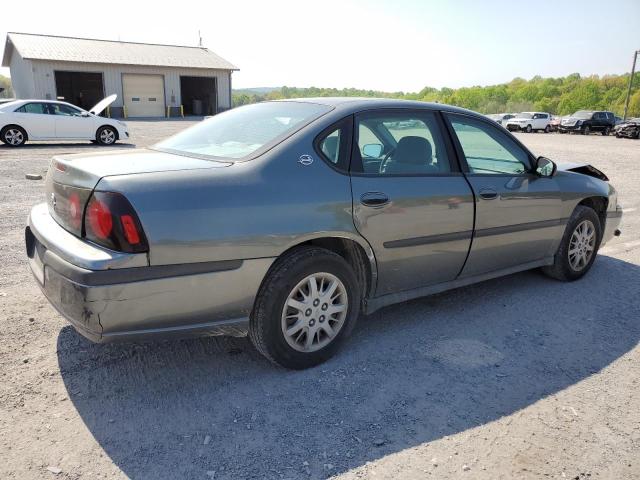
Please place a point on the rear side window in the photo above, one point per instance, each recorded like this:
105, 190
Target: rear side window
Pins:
488, 150
333, 144
32, 108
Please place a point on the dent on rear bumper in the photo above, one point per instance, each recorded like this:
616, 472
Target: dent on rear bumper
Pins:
215, 303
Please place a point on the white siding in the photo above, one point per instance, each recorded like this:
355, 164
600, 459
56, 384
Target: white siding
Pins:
21, 76
45, 85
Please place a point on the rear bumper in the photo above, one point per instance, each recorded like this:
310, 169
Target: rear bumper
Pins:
134, 303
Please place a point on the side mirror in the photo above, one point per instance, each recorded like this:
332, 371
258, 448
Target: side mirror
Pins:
372, 150
85, 114
545, 167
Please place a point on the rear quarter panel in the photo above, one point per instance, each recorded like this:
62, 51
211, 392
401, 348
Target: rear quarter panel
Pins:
253, 209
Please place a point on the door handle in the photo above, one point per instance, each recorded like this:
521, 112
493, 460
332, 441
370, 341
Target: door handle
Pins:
374, 199
488, 193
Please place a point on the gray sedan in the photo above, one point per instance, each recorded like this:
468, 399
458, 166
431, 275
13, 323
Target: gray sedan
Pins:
286, 220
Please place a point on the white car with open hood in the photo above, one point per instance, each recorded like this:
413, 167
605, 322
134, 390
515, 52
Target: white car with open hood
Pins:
24, 120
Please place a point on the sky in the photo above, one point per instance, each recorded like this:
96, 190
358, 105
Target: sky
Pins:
388, 45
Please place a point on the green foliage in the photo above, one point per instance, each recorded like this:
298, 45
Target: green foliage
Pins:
5, 83
560, 96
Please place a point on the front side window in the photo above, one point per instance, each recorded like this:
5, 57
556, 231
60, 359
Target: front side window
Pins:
401, 144
61, 109
38, 108
487, 149
238, 133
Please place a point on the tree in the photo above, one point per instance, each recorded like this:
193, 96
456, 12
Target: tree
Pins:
5, 82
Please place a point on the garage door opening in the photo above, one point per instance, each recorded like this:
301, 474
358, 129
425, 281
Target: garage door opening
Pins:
199, 95
83, 89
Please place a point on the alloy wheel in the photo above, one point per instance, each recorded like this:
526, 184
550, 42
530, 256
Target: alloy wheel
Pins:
314, 312
582, 245
107, 136
13, 136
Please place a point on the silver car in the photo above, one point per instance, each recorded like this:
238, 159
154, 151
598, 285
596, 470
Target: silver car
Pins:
286, 220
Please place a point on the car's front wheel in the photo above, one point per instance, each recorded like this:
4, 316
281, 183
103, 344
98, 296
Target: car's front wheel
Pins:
529, 129
579, 246
306, 307
547, 129
13, 135
106, 136
586, 130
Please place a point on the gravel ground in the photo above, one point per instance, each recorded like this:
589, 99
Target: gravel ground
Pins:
519, 377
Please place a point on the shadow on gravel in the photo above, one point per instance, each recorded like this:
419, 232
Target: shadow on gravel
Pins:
411, 374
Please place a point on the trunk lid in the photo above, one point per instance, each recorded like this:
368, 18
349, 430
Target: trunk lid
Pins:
72, 178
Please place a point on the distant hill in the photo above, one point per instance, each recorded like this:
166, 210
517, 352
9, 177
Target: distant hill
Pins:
255, 90
562, 95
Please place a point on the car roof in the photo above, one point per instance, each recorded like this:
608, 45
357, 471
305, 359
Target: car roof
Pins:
366, 103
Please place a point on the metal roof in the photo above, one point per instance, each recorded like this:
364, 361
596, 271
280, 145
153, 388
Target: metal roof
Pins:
86, 50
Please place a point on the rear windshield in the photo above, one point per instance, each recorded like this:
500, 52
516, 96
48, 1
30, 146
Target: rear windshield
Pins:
243, 132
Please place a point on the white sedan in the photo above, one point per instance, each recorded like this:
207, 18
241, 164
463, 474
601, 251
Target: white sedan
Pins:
24, 120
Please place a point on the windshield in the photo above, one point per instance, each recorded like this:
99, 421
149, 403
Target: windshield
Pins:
240, 132
582, 114
525, 115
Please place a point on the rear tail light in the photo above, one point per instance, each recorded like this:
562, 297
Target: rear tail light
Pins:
110, 221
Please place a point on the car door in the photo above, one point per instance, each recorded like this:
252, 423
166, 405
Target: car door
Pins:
69, 122
518, 213
410, 200
35, 119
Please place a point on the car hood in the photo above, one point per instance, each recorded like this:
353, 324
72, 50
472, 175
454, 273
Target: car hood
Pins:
582, 168
85, 171
518, 119
102, 104
571, 120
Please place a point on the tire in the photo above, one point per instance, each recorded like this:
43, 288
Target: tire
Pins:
547, 129
606, 131
271, 314
13, 135
564, 267
586, 130
528, 129
106, 135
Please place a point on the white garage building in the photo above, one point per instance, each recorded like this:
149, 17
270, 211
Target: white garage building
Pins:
150, 80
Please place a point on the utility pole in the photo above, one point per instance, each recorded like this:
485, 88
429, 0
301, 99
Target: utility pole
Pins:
633, 70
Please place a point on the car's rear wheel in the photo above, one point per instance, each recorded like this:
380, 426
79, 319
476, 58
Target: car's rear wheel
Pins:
606, 132
579, 246
106, 135
13, 135
306, 307
586, 130
529, 129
